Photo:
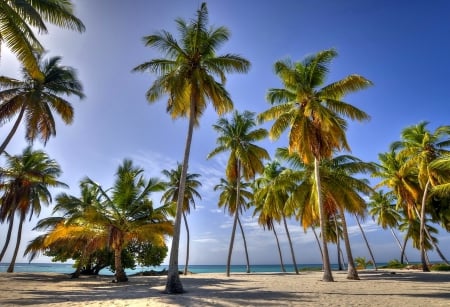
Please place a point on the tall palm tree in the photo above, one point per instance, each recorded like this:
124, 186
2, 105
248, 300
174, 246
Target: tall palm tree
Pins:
238, 136
421, 147
25, 185
35, 100
187, 76
273, 194
170, 196
315, 115
19, 17
228, 199
382, 207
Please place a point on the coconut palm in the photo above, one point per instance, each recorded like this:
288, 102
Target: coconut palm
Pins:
382, 207
273, 194
170, 196
187, 76
315, 115
421, 147
228, 199
17, 20
238, 136
366, 241
35, 100
25, 184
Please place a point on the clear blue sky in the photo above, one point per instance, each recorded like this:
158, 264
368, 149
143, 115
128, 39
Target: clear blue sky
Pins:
402, 46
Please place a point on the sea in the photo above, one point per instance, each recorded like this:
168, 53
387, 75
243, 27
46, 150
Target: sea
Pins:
68, 268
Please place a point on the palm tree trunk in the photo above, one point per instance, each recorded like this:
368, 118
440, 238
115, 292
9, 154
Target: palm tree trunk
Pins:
8, 236
236, 218
290, 245
342, 256
399, 245
13, 130
245, 246
16, 250
187, 244
403, 249
318, 242
367, 243
327, 275
338, 245
173, 284
425, 267
351, 270
283, 269
120, 273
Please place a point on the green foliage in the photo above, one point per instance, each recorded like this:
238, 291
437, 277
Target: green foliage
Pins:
146, 253
362, 262
395, 264
440, 267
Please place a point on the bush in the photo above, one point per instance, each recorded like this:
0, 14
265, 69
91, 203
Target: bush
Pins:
440, 267
395, 264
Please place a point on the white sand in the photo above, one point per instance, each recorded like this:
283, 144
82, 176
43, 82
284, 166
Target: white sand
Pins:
376, 288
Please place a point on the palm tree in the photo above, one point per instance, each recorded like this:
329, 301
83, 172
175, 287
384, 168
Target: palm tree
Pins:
245, 160
187, 75
36, 99
382, 207
170, 196
25, 185
273, 195
19, 17
228, 199
314, 116
421, 147
374, 263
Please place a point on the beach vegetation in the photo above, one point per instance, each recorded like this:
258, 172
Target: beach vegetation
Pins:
35, 101
314, 115
25, 184
20, 18
362, 262
188, 77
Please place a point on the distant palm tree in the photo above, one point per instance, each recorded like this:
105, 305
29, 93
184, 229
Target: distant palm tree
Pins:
314, 116
273, 194
35, 100
170, 196
245, 161
228, 199
25, 183
187, 75
18, 17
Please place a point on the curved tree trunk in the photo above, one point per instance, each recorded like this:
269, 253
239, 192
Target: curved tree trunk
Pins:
400, 246
8, 236
120, 272
13, 130
403, 249
16, 250
290, 245
367, 243
342, 256
327, 275
351, 270
423, 259
245, 246
187, 244
173, 284
283, 269
318, 242
236, 218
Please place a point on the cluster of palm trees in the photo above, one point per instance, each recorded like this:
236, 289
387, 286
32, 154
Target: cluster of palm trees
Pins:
311, 180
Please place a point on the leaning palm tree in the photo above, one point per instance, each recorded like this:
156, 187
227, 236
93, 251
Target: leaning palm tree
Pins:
18, 18
25, 184
170, 196
245, 161
421, 147
35, 100
187, 76
315, 115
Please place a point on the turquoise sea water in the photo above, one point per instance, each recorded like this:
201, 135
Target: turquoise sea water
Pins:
68, 268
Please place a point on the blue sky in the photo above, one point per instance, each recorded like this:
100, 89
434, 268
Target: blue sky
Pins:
401, 46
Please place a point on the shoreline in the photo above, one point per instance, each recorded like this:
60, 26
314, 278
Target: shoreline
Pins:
375, 288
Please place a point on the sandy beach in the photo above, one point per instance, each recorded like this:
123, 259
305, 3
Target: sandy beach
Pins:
376, 288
